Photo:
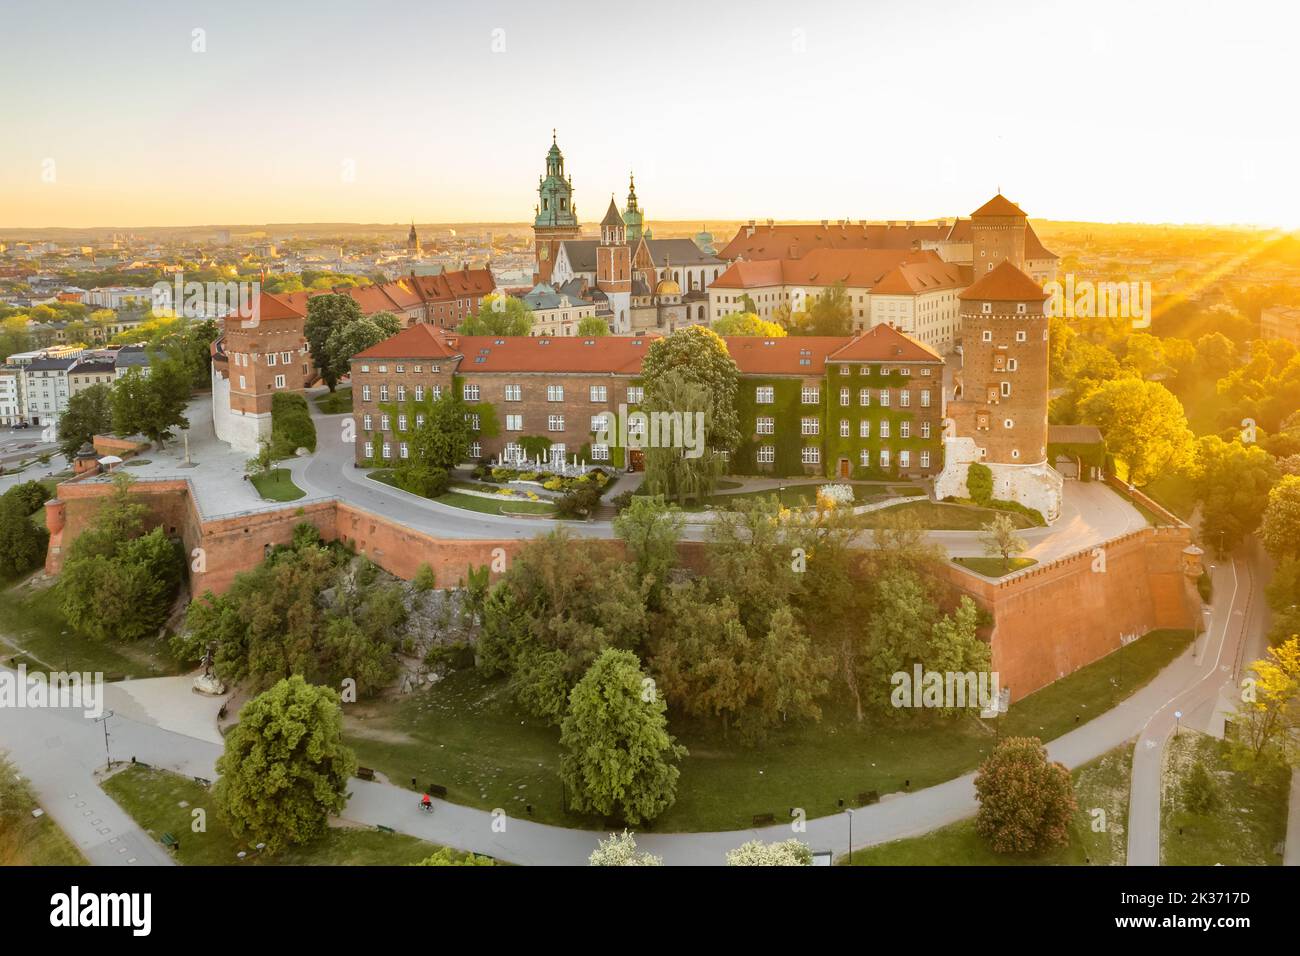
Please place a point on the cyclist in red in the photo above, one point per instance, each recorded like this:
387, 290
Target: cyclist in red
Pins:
426, 803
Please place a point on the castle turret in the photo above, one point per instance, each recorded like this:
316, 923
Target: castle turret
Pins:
633, 218
997, 231
614, 267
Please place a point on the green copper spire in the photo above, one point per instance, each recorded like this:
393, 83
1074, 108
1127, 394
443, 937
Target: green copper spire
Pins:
632, 218
555, 192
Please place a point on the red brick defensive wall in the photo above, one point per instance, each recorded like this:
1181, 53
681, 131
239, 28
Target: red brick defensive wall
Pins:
1048, 621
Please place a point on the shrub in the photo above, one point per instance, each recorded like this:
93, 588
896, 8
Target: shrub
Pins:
578, 502
29, 496
424, 579
979, 483
291, 425
1200, 794
424, 480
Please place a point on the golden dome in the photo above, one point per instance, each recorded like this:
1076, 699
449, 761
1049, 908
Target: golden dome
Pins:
668, 287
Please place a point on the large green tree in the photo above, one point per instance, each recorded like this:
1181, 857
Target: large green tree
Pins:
325, 313
1280, 526
285, 768
747, 323
90, 413
651, 529
1026, 801
618, 759
1232, 482
442, 442
680, 465
22, 541
153, 404
1143, 424
499, 314
346, 339
701, 357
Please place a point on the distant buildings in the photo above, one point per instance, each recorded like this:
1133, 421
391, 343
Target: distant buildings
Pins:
1280, 322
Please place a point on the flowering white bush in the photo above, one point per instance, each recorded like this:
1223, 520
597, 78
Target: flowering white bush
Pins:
758, 853
620, 850
836, 494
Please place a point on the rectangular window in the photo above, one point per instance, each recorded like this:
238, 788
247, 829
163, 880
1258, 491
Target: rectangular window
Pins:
270, 358
810, 395
514, 423
401, 423
763, 395
864, 458
365, 393
844, 428
598, 393
514, 393
555, 393
864, 397
403, 450
279, 381
383, 393
470, 393
476, 449
600, 453
925, 398
555, 423
766, 426
809, 426
383, 423
419, 421
925, 459
401, 393
812, 455
864, 428
1006, 389
370, 450
884, 428
905, 398
904, 459
766, 454
474, 421
904, 429
366, 422
884, 398
635, 394
844, 393
598, 422
419, 393
884, 458
435, 391
387, 450
287, 357
400, 369
925, 429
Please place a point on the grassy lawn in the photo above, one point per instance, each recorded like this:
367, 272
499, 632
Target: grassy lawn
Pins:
1249, 826
336, 402
498, 505
466, 734
26, 840
1175, 492
35, 631
994, 567
1100, 784
941, 516
277, 485
805, 495
154, 800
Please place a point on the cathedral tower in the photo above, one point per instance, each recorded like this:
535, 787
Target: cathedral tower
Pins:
997, 231
632, 215
556, 217
614, 268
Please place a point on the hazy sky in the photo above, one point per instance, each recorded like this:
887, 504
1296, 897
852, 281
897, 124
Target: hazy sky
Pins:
1107, 110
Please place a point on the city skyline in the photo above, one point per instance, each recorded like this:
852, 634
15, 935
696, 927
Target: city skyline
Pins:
888, 109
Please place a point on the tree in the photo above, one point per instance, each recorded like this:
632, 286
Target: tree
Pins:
1144, 424
681, 466
424, 578
444, 438
618, 757
500, 314
747, 323
1232, 482
261, 463
285, 768
831, 313
1001, 540
348, 338
651, 529
449, 857
757, 853
1144, 353
152, 405
22, 541
1199, 792
1269, 715
1215, 355
701, 357
592, 327
1280, 524
324, 314
90, 413
620, 850
979, 483
1025, 802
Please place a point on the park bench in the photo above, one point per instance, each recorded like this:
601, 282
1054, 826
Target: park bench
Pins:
170, 842
436, 790
365, 773
764, 819
383, 829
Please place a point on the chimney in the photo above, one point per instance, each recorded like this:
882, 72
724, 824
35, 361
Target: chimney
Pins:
890, 223
911, 223
825, 223
943, 223
749, 229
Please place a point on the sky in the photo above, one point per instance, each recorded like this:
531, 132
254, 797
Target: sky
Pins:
192, 113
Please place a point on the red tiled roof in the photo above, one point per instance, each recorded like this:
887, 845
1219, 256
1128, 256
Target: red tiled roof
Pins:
750, 275
1005, 283
1034, 248
856, 268
999, 205
883, 343
795, 241
419, 341
925, 272
759, 356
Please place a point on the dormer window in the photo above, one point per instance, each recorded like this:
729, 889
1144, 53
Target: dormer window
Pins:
987, 308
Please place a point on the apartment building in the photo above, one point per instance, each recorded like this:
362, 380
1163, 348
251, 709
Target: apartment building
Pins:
854, 406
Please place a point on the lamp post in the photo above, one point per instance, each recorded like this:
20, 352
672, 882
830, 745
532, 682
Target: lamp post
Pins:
1178, 718
849, 811
108, 760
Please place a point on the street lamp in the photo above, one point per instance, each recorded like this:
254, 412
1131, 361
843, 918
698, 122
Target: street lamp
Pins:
1178, 716
108, 760
849, 811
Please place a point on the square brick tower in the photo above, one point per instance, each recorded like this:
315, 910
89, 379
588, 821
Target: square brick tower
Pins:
614, 268
998, 415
